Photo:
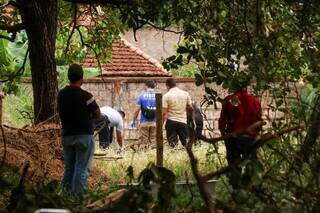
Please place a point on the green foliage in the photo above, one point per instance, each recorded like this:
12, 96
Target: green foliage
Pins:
302, 110
12, 57
93, 34
18, 108
63, 74
233, 42
188, 70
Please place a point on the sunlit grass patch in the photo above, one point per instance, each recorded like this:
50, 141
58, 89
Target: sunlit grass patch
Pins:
176, 160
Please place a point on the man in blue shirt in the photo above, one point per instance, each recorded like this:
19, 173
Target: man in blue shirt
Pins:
146, 105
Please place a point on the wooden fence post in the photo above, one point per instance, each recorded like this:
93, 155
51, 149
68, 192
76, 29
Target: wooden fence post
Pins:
159, 134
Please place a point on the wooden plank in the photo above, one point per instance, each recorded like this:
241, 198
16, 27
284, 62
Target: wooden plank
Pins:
159, 133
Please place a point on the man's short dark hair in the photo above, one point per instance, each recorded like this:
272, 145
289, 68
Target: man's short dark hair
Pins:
170, 82
122, 113
75, 72
150, 84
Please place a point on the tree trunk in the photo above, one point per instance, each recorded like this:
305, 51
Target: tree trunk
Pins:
40, 19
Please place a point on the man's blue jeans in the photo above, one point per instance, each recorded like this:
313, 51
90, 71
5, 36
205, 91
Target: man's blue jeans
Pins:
78, 152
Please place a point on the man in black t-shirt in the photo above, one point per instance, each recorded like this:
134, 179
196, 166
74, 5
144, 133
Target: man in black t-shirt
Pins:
77, 108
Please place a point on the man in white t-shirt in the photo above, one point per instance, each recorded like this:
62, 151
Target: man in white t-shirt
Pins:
112, 118
175, 104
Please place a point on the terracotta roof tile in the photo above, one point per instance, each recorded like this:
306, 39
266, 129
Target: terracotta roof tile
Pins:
128, 60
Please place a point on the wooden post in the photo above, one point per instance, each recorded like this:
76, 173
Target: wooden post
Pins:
159, 129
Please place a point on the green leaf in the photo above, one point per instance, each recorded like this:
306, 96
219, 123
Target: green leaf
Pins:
182, 50
198, 79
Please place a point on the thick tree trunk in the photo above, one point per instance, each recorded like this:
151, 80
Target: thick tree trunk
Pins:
40, 19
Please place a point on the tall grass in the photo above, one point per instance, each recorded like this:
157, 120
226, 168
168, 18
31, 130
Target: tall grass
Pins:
18, 109
174, 159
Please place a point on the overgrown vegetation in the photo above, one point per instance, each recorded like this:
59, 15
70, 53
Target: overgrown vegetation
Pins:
18, 108
174, 159
188, 70
274, 45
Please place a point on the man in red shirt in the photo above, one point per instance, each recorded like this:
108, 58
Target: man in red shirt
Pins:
239, 111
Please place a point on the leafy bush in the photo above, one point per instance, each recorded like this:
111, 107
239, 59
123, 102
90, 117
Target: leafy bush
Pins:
188, 70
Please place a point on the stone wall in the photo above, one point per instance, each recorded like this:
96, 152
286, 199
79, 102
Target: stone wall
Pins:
121, 93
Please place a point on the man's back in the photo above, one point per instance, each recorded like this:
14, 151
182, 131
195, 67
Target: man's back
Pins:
240, 110
113, 116
147, 101
176, 100
74, 113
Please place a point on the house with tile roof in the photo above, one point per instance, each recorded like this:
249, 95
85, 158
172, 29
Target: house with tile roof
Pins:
128, 61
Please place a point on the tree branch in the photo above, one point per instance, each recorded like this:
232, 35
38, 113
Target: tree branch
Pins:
165, 29
88, 46
74, 24
202, 183
12, 28
241, 131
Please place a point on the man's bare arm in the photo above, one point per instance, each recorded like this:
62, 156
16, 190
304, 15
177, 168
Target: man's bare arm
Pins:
164, 115
136, 113
119, 138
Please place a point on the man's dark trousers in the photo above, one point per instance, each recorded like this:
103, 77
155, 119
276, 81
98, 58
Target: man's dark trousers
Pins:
239, 148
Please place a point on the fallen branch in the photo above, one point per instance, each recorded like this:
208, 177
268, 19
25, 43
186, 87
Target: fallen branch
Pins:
107, 158
30, 130
47, 120
103, 204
